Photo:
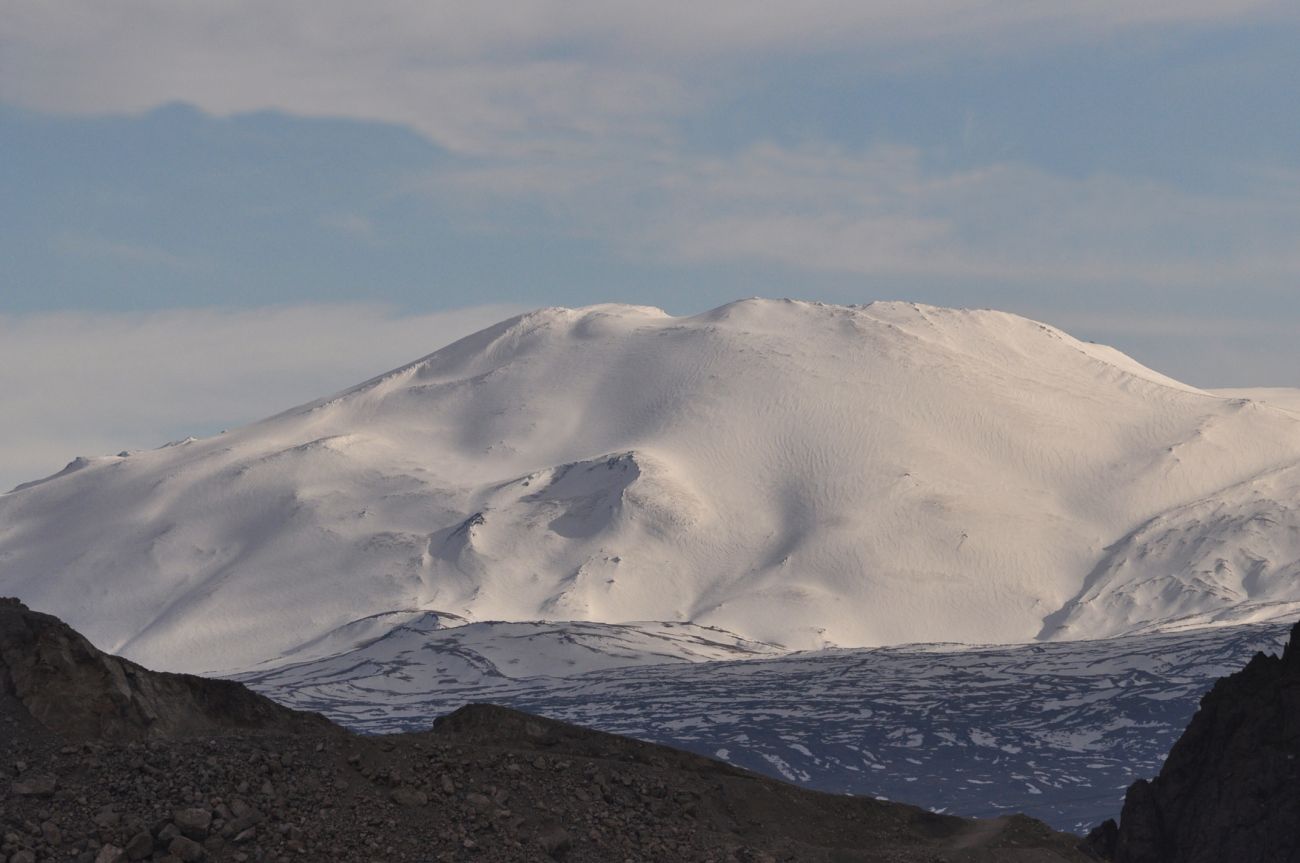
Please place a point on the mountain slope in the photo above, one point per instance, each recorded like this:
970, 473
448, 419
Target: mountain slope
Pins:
791, 472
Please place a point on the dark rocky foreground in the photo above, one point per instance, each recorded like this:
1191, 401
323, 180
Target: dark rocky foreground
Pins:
1230, 790
108, 761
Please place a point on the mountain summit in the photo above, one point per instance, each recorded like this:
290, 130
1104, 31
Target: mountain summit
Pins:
793, 472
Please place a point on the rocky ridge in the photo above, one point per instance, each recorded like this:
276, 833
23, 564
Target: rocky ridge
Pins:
71, 688
1230, 789
484, 784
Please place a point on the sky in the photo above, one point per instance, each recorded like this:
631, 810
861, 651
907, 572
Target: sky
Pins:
210, 211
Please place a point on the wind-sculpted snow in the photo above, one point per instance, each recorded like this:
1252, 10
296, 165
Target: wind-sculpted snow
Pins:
420, 652
1231, 557
795, 473
1056, 730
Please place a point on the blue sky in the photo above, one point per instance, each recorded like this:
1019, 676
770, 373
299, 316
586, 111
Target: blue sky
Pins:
170, 172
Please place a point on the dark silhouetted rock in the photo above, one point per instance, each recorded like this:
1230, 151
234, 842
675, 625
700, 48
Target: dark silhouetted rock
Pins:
1100, 842
487, 784
72, 688
1230, 789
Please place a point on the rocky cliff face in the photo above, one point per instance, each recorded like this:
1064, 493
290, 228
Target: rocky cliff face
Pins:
66, 685
1230, 789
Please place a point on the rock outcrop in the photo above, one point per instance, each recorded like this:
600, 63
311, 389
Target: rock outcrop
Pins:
69, 687
98, 764
1230, 789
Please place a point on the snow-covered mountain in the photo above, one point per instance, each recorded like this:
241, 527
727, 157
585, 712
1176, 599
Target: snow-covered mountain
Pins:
794, 473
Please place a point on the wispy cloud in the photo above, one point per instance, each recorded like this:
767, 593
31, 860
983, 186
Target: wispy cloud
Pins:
613, 122
91, 384
884, 212
577, 107
476, 78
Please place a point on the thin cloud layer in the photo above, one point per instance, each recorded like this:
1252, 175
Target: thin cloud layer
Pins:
883, 212
694, 144
94, 384
483, 79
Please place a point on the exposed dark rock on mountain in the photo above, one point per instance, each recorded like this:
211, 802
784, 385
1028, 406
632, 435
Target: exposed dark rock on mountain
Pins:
108, 762
75, 690
1230, 789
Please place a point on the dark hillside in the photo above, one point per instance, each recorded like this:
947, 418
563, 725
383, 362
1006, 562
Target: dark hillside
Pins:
111, 762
